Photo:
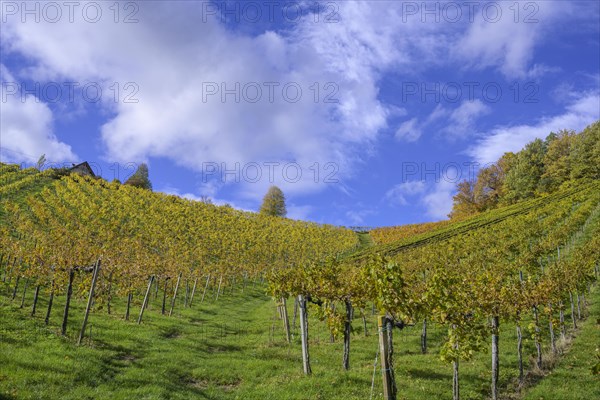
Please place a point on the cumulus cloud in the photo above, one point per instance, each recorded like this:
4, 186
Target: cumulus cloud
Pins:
181, 111
409, 131
435, 197
355, 214
26, 126
438, 201
459, 123
299, 212
577, 115
463, 118
216, 201
180, 62
501, 39
398, 194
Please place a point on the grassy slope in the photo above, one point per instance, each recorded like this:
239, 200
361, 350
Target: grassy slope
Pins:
365, 240
234, 349
571, 379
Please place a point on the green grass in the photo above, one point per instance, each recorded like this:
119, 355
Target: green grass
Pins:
365, 240
235, 349
571, 378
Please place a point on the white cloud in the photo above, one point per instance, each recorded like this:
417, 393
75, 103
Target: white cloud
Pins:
459, 123
171, 53
438, 202
463, 117
508, 42
191, 196
357, 217
398, 194
173, 119
26, 126
579, 114
299, 212
539, 70
409, 131
435, 197
438, 113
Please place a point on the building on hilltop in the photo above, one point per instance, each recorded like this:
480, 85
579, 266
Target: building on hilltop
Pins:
83, 169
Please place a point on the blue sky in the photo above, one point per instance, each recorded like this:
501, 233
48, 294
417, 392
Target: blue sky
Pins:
364, 113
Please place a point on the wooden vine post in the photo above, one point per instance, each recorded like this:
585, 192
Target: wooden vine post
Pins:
50, 300
110, 276
175, 295
35, 300
455, 379
304, 334
424, 337
347, 331
573, 311
187, 292
193, 291
145, 300
295, 314
129, 296
90, 300
551, 330
538, 345
495, 356
25, 291
364, 322
520, 351
63, 330
164, 301
205, 287
219, 288
389, 390
14, 294
455, 371
286, 321
563, 332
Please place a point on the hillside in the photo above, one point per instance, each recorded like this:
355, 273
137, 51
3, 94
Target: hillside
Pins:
391, 234
197, 280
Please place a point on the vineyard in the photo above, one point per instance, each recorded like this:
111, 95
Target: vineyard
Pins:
396, 233
472, 277
496, 297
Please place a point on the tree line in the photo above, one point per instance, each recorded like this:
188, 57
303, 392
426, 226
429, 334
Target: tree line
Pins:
540, 168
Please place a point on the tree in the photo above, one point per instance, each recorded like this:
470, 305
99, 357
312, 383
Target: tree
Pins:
464, 201
140, 178
274, 203
489, 187
585, 154
523, 178
557, 162
542, 166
